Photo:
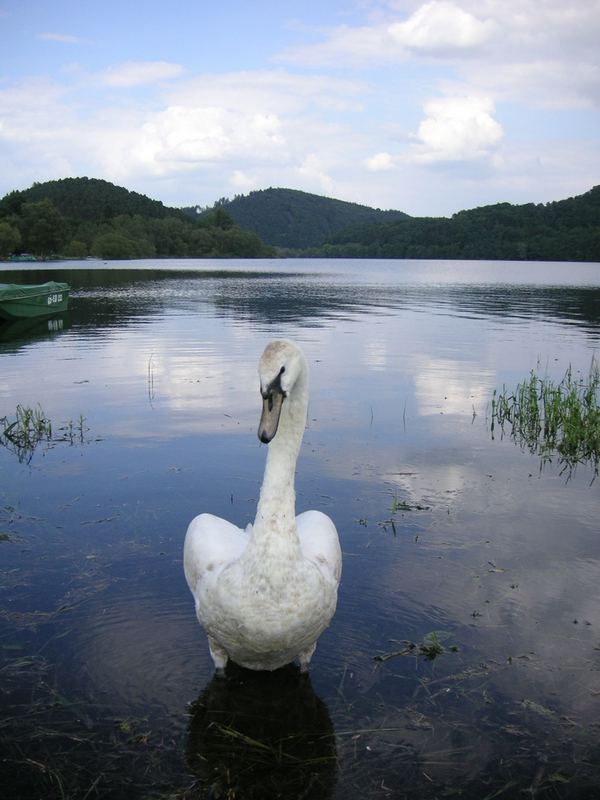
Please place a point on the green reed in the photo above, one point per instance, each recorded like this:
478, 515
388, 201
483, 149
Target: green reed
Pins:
31, 427
548, 417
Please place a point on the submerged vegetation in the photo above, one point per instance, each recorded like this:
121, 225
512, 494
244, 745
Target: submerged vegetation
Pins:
548, 418
430, 647
31, 427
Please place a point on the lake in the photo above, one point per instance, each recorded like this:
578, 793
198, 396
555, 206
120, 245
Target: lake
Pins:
464, 656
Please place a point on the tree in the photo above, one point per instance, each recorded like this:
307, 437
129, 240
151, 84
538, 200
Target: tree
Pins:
76, 249
113, 245
10, 239
216, 217
42, 228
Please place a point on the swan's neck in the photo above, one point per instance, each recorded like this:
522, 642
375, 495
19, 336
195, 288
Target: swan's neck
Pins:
276, 512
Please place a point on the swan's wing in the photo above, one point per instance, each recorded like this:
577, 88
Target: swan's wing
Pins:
210, 544
320, 543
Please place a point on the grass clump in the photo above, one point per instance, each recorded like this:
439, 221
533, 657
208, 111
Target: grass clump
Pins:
548, 417
31, 427
430, 647
23, 434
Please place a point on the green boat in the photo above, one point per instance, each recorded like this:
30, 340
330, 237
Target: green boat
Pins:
39, 300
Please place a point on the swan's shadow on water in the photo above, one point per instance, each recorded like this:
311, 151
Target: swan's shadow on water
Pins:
261, 735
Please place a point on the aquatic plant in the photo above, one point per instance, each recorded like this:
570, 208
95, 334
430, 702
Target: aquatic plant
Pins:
30, 427
431, 647
23, 434
548, 417
398, 507
403, 505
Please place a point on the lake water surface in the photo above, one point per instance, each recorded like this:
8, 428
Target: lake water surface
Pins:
449, 535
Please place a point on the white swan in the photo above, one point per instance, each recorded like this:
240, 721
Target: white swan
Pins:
264, 595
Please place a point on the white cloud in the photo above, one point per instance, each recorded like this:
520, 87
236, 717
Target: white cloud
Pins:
34, 112
348, 45
181, 136
550, 83
65, 38
243, 181
369, 136
380, 162
535, 51
457, 129
246, 130
454, 129
313, 169
441, 26
271, 91
137, 73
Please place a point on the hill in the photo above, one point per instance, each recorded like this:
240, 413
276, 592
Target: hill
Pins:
89, 199
289, 218
78, 217
564, 230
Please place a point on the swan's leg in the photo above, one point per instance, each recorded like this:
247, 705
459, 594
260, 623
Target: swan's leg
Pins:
218, 655
305, 656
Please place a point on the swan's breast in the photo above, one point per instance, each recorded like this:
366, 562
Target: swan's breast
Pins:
281, 610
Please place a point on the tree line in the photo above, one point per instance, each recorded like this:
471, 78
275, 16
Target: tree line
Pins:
81, 217
566, 230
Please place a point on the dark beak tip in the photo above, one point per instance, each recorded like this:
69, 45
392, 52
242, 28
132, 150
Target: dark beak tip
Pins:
262, 435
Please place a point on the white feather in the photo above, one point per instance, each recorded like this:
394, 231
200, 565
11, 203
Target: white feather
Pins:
264, 595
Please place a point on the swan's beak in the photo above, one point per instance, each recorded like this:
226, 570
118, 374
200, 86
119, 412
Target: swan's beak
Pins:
271, 411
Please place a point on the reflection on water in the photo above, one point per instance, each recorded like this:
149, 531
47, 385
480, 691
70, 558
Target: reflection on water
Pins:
257, 735
443, 529
25, 330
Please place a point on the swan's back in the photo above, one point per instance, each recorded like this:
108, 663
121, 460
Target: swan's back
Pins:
320, 543
211, 543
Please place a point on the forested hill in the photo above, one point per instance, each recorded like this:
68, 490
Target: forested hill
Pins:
565, 230
81, 217
289, 218
89, 199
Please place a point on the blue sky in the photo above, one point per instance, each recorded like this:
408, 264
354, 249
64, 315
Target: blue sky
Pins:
428, 107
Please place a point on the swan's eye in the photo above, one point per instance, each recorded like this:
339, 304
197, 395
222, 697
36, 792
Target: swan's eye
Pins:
282, 370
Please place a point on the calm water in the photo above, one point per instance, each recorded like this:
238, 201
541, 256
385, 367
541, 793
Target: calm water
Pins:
106, 685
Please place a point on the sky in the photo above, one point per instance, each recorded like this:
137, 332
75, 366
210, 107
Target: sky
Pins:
426, 107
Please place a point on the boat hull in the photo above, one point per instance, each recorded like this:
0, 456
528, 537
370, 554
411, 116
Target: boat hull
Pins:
25, 301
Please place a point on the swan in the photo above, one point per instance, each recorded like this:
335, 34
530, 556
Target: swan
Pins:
265, 595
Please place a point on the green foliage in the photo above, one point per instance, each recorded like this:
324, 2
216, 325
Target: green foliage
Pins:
567, 230
113, 245
549, 418
293, 219
22, 435
216, 217
10, 239
31, 427
88, 199
431, 647
76, 249
42, 227
76, 217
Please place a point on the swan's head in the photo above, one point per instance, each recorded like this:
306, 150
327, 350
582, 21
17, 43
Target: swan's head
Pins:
279, 369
